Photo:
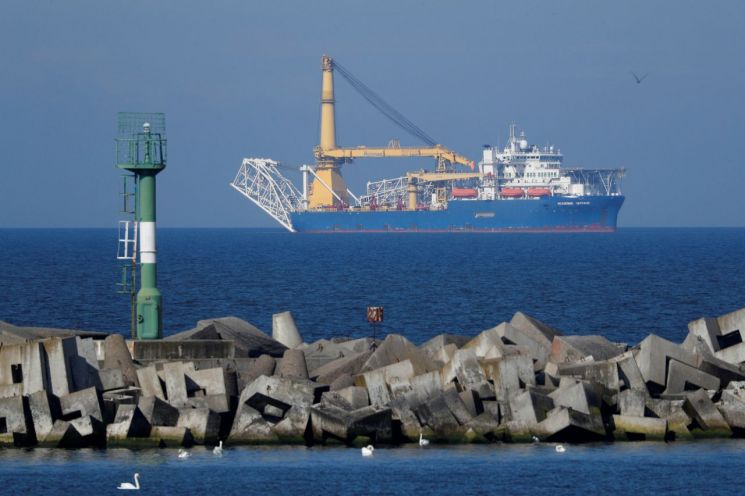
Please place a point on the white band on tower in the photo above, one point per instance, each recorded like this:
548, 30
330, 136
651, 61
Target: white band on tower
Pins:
147, 242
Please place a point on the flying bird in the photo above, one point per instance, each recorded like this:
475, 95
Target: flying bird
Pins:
639, 79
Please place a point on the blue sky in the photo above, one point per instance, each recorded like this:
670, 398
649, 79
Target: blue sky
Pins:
242, 79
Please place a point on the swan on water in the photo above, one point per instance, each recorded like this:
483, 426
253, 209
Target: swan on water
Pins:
217, 449
422, 441
368, 450
129, 485
182, 453
560, 448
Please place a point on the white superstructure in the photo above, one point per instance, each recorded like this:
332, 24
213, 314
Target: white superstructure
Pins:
537, 171
524, 165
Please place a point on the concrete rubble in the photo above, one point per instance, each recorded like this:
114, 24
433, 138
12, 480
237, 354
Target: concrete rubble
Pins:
516, 382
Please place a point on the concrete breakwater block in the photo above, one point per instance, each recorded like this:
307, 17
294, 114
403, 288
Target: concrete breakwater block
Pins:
577, 348
396, 348
709, 421
247, 340
77, 433
509, 374
347, 365
273, 409
263, 365
128, 423
212, 388
293, 428
465, 368
161, 349
250, 426
175, 379
605, 373
632, 428
284, 330
158, 412
566, 425
323, 351
534, 328
292, 364
527, 410
629, 375
118, 357
441, 347
150, 382
42, 412
487, 344
435, 414
512, 382
580, 396
680, 377
532, 333
203, 424
171, 437
112, 378
632, 402
81, 404
23, 365
678, 420
722, 335
12, 334
15, 430
653, 356
330, 421
280, 392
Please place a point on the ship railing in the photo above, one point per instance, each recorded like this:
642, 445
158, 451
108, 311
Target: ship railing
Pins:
260, 180
605, 182
385, 192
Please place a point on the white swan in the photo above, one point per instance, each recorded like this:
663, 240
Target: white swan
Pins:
422, 441
217, 449
129, 486
368, 450
182, 453
560, 448
535, 439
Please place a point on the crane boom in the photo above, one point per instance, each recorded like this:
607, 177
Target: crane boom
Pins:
441, 176
328, 188
437, 151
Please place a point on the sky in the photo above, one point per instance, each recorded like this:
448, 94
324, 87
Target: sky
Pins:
242, 79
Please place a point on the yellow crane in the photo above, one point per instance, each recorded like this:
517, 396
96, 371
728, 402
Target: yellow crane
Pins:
328, 185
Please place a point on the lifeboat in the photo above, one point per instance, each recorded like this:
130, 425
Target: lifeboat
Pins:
512, 193
539, 192
465, 193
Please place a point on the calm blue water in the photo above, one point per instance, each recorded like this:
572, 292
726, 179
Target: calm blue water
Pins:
623, 285
633, 468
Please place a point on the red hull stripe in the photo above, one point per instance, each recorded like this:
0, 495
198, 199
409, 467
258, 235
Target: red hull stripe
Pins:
593, 229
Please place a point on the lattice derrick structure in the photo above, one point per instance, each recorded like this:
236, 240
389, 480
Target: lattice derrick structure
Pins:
259, 180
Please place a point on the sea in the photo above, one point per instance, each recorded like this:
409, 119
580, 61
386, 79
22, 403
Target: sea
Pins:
623, 285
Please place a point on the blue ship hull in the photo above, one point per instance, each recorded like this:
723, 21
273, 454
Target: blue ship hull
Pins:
557, 213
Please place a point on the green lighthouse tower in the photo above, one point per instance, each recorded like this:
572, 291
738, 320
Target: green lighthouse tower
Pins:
141, 150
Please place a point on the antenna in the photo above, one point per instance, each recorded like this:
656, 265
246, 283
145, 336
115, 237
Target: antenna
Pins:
141, 150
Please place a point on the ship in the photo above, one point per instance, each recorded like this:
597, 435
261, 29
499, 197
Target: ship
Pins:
521, 187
